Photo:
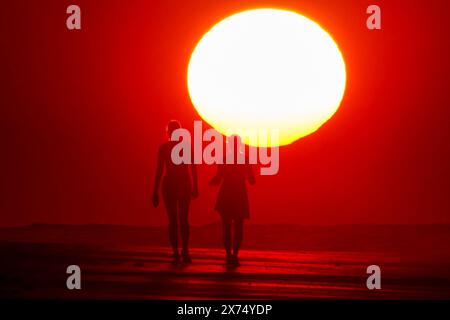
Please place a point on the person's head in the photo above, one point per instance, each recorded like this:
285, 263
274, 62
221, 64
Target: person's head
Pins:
234, 147
172, 125
236, 140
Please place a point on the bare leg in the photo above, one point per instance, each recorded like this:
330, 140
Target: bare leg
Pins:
173, 230
171, 209
226, 232
238, 235
184, 225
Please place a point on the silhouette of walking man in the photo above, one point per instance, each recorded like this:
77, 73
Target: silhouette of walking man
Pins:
232, 200
177, 190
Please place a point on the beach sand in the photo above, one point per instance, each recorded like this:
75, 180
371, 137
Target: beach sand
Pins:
37, 270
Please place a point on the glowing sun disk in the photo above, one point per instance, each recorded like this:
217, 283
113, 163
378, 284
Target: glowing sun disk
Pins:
266, 69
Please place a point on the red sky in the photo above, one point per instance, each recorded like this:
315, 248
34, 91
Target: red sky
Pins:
83, 112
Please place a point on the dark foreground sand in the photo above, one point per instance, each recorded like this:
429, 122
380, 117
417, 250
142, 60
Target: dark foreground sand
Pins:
37, 269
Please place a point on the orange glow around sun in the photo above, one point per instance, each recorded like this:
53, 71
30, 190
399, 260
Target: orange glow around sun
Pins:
266, 69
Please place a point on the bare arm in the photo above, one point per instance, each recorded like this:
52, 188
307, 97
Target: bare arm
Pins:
218, 177
250, 175
194, 181
158, 176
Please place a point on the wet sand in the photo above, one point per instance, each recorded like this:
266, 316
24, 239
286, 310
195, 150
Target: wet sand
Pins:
38, 270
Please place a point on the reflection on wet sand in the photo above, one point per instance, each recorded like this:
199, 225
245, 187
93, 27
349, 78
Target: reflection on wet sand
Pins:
38, 271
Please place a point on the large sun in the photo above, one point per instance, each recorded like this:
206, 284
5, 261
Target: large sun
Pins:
266, 69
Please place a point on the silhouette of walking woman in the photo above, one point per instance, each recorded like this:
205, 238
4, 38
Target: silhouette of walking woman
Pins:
232, 200
177, 190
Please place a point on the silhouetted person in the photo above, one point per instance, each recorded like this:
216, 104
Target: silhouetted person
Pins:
177, 190
232, 201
